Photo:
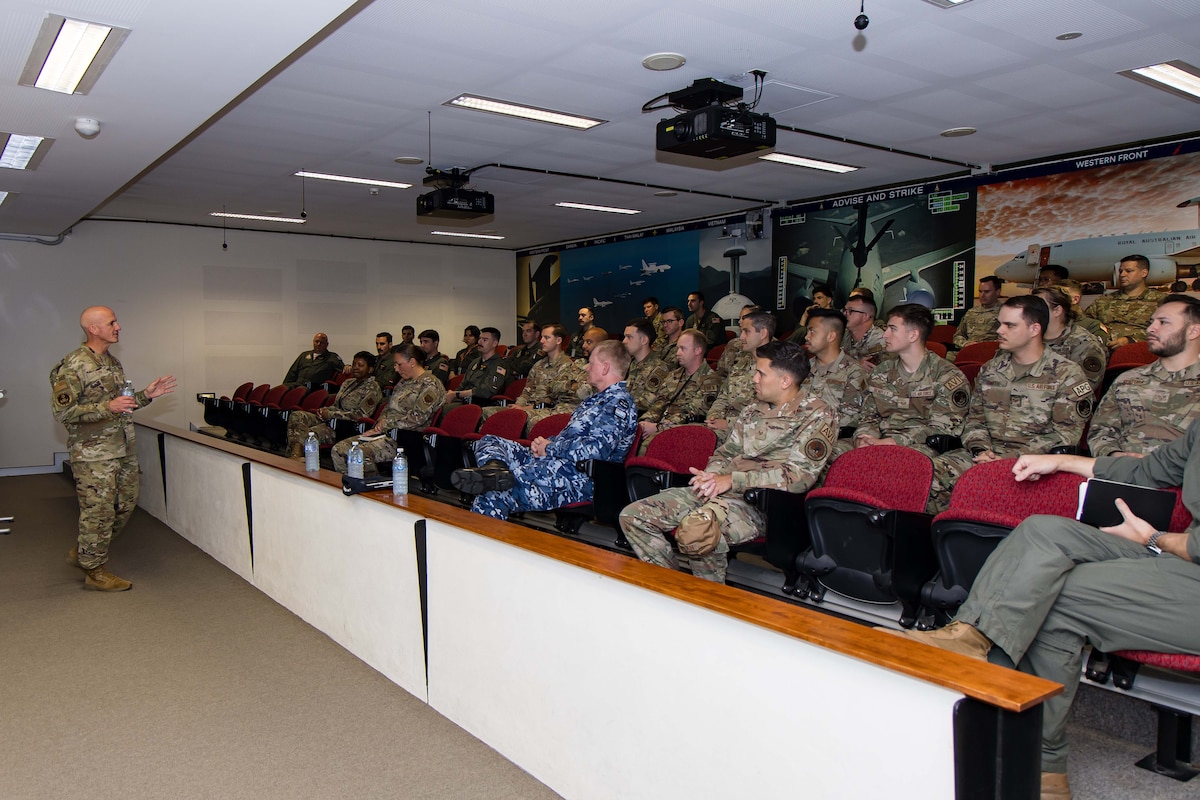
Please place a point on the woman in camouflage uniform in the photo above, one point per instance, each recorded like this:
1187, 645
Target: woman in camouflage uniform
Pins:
357, 397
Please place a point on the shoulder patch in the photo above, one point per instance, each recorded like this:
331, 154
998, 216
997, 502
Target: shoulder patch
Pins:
816, 449
1082, 390
1084, 408
1091, 364
960, 398
955, 380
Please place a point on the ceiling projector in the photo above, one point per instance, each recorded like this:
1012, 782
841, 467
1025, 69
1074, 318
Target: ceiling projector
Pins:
451, 199
710, 127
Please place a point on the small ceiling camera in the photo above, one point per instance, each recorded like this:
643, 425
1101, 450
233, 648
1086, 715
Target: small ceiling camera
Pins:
862, 21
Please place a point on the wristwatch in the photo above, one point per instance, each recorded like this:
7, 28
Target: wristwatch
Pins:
1152, 543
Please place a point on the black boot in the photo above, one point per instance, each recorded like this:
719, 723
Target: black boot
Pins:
494, 476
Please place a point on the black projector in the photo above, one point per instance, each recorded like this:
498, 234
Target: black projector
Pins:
456, 204
716, 132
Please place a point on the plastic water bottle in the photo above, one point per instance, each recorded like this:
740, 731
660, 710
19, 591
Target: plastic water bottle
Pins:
400, 474
312, 450
354, 461
128, 391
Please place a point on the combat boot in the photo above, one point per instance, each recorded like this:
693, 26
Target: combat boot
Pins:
296, 451
102, 580
1055, 786
73, 558
494, 476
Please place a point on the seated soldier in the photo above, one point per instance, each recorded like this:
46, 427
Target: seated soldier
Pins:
553, 384
703, 320
412, 406
1149, 406
591, 337
408, 335
781, 441
1095, 327
587, 321
834, 375
733, 348
485, 377
1027, 400
356, 398
1070, 341
436, 364
1055, 586
738, 390
646, 370
980, 322
1127, 311
385, 365
914, 393
522, 357
313, 367
464, 357
544, 475
685, 394
863, 341
650, 309
672, 319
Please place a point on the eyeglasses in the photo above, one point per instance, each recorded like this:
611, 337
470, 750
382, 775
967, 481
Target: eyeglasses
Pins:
855, 311
670, 319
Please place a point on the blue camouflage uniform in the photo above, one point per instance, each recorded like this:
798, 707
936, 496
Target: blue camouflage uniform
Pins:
602, 428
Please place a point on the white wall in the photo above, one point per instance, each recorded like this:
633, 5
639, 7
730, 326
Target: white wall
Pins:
215, 318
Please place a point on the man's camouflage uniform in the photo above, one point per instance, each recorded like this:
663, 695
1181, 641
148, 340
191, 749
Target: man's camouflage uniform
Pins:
412, 406
553, 387
485, 379
731, 353
784, 447
708, 324
438, 365
645, 379
666, 350
355, 399
1124, 315
842, 384
979, 324
522, 358
659, 331
735, 394
312, 369
100, 445
575, 347
385, 369
870, 346
1145, 407
1077, 345
601, 428
1016, 409
682, 399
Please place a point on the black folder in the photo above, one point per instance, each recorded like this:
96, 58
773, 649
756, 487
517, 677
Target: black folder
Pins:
1097, 506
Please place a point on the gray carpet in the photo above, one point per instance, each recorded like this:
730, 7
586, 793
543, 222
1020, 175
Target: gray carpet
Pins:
195, 685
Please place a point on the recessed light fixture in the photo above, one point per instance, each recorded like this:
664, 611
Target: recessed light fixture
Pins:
810, 163
1177, 77
409, 160
466, 235
665, 194
947, 3
663, 62
507, 109
260, 217
590, 207
951, 133
1068, 36
68, 55
347, 179
22, 152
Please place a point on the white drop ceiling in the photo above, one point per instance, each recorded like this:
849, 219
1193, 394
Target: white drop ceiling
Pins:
214, 105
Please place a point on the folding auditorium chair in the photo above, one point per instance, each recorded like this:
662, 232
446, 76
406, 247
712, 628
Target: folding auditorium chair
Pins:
714, 355
976, 353
506, 423
241, 414
214, 407
943, 334
1125, 357
510, 393
609, 494
869, 529
314, 400
666, 463
987, 503
443, 446
548, 427
936, 347
273, 427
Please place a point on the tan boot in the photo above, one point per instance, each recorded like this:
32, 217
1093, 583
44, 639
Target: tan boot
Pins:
73, 559
102, 580
957, 637
296, 451
1055, 786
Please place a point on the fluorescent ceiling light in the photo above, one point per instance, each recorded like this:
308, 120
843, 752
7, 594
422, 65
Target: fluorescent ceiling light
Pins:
23, 152
608, 209
1176, 77
507, 109
466, 235
260, 217
946, 3
811, 163
69, 55
346, 179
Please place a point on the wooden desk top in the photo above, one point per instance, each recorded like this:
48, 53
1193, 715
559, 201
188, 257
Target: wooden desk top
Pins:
998, 686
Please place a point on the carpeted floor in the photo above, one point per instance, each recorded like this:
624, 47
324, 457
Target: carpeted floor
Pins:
195, 685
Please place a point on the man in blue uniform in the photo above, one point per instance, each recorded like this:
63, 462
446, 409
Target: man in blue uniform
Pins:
543, 476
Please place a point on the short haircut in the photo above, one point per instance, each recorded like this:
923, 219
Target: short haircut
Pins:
408, 350
384, 335
1192, 305
615, 354
493, 331
822, 288
786, 357
558, 330
675, 310
1033, 309
914, 315
405, 328
650, 299
869, 302
699, 337
831, 315
862, 291
643, 326
1140, 260
1057, 297
1059, 272
1072, 286
429, 333
699, 295
365, 356
588, 309
995, 280
473, 330
762, 321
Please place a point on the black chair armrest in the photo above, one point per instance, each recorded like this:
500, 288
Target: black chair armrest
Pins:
1065, 450
846, 431
787, 527
943, 442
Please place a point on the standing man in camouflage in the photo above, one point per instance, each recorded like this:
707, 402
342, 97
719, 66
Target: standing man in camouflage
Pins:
833, 375
314, 367
385, 366
646, 370
738, 391
782, 441
686, 393
914, 393
1027, 399
356, 398
486, 376
980, 322
1149, 406
705, 321
1127, 311
86, 398
863, 341
543, 476
522, 357
436, 363
672, 320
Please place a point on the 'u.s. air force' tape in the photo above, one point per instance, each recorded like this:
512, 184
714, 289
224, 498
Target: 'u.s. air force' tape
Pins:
358, 485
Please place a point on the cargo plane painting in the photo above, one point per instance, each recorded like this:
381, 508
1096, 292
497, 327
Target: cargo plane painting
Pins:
1172, 254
